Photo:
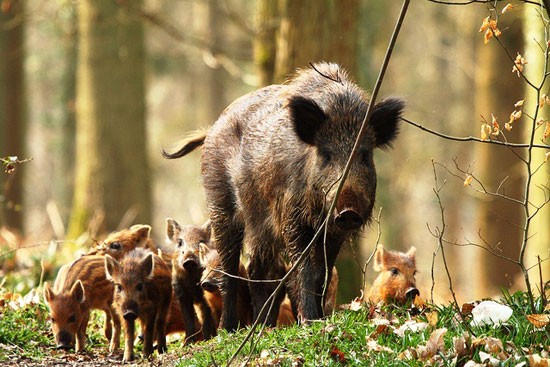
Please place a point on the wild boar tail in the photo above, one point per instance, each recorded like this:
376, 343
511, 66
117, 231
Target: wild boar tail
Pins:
194, 141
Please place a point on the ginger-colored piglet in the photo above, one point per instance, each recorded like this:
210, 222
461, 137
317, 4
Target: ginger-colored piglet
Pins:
142, 291
80, 287
396, 281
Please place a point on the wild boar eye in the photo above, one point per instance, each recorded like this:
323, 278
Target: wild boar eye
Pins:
115, 246
180, 242
72, 318
139, 287
394, 271
118, 287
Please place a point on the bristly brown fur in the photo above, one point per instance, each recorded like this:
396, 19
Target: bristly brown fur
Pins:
269, 165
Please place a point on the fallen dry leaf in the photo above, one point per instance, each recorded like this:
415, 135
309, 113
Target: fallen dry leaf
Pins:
459, 346
488, 359
374, 346
435, 343
539, 320
467, 308
536, 360
432, 317
337, 354
411, 326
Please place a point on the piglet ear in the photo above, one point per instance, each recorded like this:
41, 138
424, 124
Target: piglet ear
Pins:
148, 266
48, 293
140, 232
411, 254
112, 267
77, 292
172, 229
385, 121
307, 117
379, 258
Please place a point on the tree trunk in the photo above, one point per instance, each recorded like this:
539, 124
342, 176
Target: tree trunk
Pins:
12, 111
112, 171
312, 31
499, 220
264, 42
539, 232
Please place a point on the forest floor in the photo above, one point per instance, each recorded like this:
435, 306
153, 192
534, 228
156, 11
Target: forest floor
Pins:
358, 335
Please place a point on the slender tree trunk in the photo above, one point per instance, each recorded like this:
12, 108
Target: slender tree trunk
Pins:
112, 171
539, 233
12, 111
499, 221
312, 31
264, 42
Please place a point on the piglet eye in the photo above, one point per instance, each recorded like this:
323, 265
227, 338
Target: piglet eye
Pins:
115, 246
52, 319
139, 287
72, 318
394, 271
180, 242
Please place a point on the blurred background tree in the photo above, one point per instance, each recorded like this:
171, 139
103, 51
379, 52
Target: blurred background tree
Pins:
112, 180
12, 110
107, 84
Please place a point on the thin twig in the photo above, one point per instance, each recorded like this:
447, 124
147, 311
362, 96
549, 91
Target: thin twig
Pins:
472, 138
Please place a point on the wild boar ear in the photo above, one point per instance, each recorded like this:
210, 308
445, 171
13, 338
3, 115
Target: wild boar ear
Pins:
307, 117
49, 295
411, 254
77, 292
379, 258
207, 229
148, 266
112, 267
385, 121
172, 229
141, 232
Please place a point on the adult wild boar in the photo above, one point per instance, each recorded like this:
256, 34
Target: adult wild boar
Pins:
270, 167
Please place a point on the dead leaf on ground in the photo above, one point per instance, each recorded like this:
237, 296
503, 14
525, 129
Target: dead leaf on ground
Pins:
435, 343
467, 308
374, 346
459, 346
411, 326
536, 360
337, 354
539, 320
432, 317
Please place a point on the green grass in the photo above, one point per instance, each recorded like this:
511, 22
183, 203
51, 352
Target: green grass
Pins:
340, 340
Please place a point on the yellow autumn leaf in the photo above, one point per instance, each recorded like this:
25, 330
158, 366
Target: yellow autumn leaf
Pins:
507, 8
484, 25
519, 103
468, 180
542, 100
547, 130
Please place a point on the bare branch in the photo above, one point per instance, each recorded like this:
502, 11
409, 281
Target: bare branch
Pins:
472, 138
